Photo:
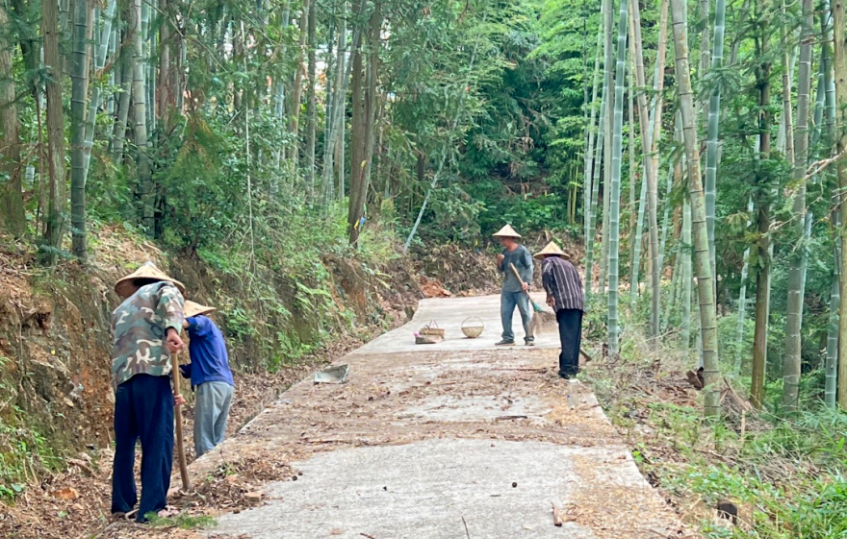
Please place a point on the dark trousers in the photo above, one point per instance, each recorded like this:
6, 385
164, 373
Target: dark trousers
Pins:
570, 333
144, 409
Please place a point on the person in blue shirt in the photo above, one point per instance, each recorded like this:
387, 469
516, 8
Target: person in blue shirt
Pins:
211, 378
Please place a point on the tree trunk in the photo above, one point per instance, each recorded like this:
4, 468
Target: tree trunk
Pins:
667, 215
687, 277
591, 162
125, 93
608, 51
595, 197
99, 61
649, 178
341, 116
11, 191
165, 92
358, 202
312, 120
358, 125
831, 368
139, 119
149, 47
614, 193
656, 132
294, 114
57, 213
658, 86
839, 22
742, 297
713, 126
634, 261
371, 97
763, 277
79, 96
704, 48
794, 315
639, 237
708, 326
334, 100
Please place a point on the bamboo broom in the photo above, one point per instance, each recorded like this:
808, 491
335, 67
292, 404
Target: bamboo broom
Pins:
542, 320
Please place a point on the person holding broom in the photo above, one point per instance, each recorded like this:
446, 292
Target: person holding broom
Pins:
515, 263
146, 328
211, 377
564, 294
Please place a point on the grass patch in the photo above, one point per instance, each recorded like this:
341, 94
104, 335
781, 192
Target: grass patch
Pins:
25, 454
786, 475
182, 521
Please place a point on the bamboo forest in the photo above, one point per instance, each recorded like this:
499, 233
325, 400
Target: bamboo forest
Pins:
313, 168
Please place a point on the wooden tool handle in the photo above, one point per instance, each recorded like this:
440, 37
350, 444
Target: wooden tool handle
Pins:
183, 468
515, 270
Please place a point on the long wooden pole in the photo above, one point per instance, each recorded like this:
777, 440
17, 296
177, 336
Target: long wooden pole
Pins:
183, 468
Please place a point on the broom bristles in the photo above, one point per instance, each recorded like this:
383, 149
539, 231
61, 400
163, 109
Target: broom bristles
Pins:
542, 321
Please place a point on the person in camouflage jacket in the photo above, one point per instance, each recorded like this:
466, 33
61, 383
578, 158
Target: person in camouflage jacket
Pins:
146, 329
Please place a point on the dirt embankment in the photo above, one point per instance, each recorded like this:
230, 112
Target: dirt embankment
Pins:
56, 402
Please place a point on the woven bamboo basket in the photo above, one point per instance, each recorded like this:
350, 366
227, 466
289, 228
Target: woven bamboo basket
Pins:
473, 327
432, 329
427, 339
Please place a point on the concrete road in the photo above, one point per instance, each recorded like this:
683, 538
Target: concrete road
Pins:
455, 440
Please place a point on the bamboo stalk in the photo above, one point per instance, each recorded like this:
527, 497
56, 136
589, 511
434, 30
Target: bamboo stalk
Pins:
614, 195
713, 126
796, 272
742, 296
839, 21
649, 178
592, 163
708, 325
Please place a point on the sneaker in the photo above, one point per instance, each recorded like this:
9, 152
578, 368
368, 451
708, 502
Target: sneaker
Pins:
530, 343
567, 375
504, 342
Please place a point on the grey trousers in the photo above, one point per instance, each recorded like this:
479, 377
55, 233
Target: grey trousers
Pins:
211, 408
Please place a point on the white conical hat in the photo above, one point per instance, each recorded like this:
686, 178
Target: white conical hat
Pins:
507, 232
551, 250
147, 273
195, 309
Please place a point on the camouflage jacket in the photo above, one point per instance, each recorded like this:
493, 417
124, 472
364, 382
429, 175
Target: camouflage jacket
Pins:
139, 326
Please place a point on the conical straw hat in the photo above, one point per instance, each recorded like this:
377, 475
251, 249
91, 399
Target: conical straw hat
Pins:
551, 250
146, 274
195, 309
507, 232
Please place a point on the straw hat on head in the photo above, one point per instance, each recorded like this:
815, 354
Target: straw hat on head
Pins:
551, 250
195, 309
148, 273
507, 232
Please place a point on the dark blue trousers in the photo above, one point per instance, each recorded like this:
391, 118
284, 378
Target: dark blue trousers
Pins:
144, 410
570, 334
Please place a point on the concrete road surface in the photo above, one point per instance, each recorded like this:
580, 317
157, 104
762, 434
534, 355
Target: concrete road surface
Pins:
455, 440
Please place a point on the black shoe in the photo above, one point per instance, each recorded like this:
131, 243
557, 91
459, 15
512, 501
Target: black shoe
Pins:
530, 343
568, 375
504, 342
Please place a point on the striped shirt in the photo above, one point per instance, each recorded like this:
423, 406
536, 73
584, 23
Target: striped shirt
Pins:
562, 282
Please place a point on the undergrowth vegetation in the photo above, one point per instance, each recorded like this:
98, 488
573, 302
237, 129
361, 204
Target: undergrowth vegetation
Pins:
282, 294
784, 473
